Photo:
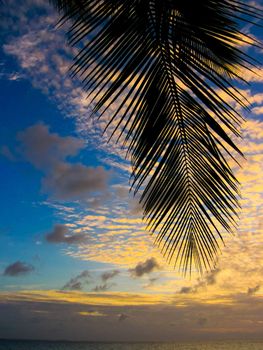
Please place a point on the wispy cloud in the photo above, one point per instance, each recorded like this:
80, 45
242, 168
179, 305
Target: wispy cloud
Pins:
109, 275
14, 76
253, 290
78, 282
202, 282
105, 278
7, 153
103, 287
45, 60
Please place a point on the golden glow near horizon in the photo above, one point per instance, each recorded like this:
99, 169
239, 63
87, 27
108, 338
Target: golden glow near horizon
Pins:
86, 298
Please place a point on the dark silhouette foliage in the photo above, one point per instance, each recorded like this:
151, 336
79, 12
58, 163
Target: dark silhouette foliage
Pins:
170, 61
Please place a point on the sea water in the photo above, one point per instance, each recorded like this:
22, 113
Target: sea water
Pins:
46, 345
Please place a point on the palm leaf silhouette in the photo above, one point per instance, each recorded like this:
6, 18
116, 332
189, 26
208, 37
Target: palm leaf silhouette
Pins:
170, 61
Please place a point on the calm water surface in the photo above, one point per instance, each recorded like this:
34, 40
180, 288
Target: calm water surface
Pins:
39, 345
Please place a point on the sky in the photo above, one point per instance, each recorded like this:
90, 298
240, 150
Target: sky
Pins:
76, 260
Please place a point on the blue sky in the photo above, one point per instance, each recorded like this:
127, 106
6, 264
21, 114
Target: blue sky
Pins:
71, 237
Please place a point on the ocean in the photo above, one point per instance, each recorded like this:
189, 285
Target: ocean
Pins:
46, 345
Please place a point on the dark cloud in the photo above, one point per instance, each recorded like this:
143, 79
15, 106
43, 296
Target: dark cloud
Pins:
78, 282
121, 191
63, 180
105, 277
136, 207
73, 285
84, 274
60, 234
103, 287
207, 280
17, 269
144, 267
45, 149
122, 317
186, 290
109, 275
151, 282
252, 291
75, 181
210, 278
202, 321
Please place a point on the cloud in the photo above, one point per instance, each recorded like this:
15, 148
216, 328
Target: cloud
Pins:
202, 321
113, 237
105, 277
121, 191
60, 234
207, 280
63, 180
75, 181
186, 290
92, 313
73, 285
13, 76
85, 298
136, 207
44, 56
210, 278
252, 291
151, 282
143, 268
254, 75
122, 317
128, 249
45, 149
103, 287
18, 269
258, 110
109, 275
6, 152
77, 283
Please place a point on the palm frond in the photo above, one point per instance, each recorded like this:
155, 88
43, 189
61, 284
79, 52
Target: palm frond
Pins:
170, 61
